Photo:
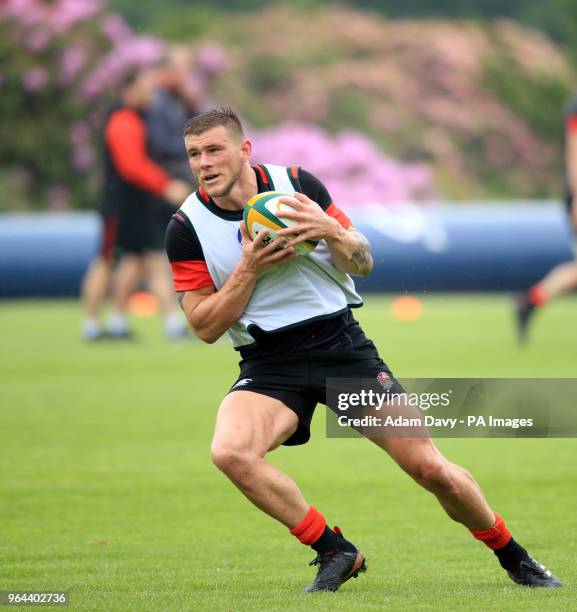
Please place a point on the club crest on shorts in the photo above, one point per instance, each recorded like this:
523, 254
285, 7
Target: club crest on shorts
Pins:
385, 380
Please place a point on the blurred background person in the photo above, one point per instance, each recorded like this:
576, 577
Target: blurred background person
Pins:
175, 101
563, 277
130, 177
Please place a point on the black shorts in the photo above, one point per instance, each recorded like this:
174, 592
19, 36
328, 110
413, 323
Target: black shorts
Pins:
129, 234
299, 379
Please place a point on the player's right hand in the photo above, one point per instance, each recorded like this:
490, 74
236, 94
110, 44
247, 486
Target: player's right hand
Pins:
177, 191
262, 253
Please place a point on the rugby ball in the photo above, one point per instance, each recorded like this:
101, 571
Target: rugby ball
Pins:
261, 213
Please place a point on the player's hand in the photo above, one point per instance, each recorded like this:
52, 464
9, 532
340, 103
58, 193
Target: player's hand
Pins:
177, 191
312, 221
260, 254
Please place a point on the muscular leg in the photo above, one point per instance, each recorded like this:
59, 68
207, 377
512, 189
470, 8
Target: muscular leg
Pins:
464, 502
160, 283
97, 278
561, 279
94, 289
95, 285
127, 278
126, 282
453, 486
248, 425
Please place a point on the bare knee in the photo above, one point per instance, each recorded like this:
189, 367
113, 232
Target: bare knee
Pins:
435, 474
231, 459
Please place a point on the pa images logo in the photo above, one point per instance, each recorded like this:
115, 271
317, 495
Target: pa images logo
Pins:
385, 380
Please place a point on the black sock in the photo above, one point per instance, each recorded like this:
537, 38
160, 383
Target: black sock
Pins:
511, 555
331, 541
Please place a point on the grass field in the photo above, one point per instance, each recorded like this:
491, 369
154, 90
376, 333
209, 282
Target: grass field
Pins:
107, 490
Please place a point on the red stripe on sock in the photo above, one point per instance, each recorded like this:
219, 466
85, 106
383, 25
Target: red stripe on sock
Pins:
310, 528
495, 537
537, 295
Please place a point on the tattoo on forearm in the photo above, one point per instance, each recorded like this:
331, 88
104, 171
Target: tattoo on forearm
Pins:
180, 297
361, 256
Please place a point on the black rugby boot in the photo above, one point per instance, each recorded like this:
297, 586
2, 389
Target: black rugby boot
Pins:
532, 574
335, 567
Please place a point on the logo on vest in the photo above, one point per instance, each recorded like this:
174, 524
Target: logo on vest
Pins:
239, 236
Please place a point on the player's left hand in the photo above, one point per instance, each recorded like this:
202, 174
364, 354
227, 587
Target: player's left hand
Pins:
312, 221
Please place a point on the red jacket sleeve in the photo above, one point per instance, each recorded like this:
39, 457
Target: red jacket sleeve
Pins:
125, 137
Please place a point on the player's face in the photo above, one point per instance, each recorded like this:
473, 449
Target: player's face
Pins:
216, 157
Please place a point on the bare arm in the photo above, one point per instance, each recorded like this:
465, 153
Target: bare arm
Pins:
350, 250
211, 313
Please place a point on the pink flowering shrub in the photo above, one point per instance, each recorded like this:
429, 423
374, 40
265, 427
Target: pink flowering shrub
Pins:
481, 104
354, 169
62, 60
381, 111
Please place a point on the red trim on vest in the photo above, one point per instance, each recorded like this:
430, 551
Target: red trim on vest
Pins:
295, 171
190, 275
339, 215
262, 174
202, 193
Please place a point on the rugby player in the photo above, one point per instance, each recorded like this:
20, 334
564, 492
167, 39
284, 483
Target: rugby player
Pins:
290, 319
563, 277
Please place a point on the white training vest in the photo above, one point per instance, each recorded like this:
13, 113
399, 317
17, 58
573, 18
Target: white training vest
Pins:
288, 293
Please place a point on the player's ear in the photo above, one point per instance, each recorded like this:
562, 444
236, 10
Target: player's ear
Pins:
245, 149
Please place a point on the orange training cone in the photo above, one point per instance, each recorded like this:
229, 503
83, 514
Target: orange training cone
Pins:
143, 304
407, 308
